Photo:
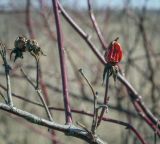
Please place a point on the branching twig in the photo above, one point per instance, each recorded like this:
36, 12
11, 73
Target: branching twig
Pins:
85, 36
95, 102
39, 94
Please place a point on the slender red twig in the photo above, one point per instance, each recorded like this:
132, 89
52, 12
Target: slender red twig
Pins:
62, 62
85, 36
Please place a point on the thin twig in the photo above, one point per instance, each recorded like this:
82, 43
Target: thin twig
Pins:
85, 36
39, 94
155, 133
7, 70
83, 127
106, 99
4, 98
28, 78
37, 74
95, 101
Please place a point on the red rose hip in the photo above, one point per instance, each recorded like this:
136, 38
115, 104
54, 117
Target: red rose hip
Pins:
114, 53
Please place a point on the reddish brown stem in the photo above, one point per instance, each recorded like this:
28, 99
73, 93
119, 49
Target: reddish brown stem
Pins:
62, 62
105, 99
85, 36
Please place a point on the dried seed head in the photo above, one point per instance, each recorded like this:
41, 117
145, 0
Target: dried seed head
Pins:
20, 43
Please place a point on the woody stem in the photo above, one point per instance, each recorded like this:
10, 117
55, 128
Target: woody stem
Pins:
105, 99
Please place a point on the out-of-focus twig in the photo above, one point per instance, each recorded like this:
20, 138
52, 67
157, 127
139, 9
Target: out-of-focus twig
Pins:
45, 20
147, 49
95, 25
28, 19
4, 98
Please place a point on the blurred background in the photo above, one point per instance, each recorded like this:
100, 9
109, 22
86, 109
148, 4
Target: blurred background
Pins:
135, 22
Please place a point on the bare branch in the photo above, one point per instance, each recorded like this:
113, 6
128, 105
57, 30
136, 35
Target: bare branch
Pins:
69, 130
94, 99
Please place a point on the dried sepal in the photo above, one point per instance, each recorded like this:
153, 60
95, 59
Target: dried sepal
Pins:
34, 49
21, 45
